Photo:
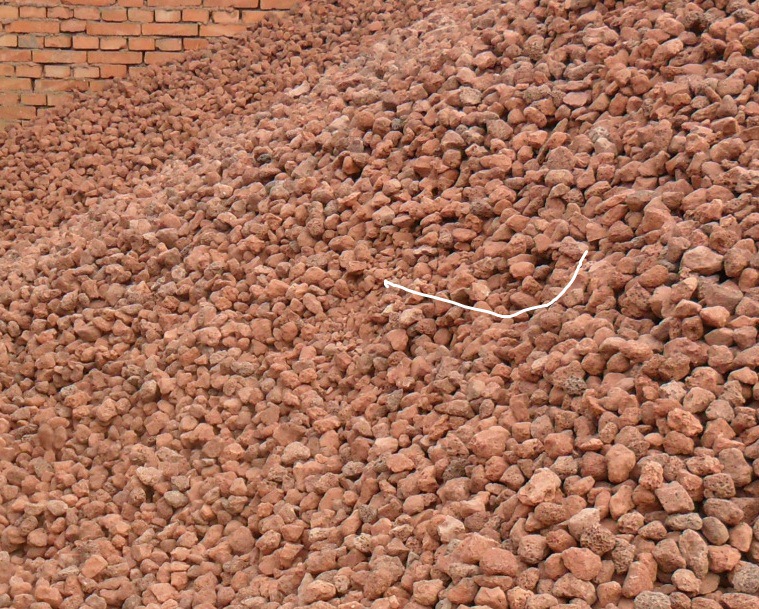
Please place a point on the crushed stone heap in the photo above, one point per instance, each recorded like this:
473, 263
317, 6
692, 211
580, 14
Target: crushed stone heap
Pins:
208, 399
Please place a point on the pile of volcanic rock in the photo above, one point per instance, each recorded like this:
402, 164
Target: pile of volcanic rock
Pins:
209, 399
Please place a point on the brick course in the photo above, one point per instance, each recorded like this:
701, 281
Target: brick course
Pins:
49, 48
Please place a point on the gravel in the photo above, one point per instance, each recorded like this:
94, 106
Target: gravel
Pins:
208, 398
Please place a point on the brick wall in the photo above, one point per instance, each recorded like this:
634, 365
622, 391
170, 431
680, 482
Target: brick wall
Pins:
49, 48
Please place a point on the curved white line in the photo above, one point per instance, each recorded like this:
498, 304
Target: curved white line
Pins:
389, 284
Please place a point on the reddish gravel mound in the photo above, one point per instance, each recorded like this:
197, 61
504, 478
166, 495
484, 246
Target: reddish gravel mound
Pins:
210, 400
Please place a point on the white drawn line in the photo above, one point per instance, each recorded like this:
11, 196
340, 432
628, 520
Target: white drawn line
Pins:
389, 284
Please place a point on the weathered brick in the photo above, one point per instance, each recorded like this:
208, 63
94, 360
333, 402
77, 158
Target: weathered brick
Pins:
53, 71
62, 41
59, 56
137, 71
17, 112
15, 84
86, 72
85, 43
30, 27
250, 17
113, 29
113, 71
29, 70
7, 69
274, 4
152, 57
59, 99
59, 12
131, 3
8, 40
170, 29
193, 44
169, 44
45, 84
113, 43
167, 16
34, 99
179, 3
226, 16
9, 12
8, 99
86, 12
15, 55
196, 14
113, 14
231, 3
125, 57
99, 85
141, 15
30, 41
227, 29
89, 2
141, 43
32, 12
73, 26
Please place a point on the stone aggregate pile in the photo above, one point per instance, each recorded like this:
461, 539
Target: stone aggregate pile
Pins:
208, 399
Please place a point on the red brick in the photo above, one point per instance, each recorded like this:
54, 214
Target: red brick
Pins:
273, 4
29, 27
227, 29
137, 71
231, 3
169, 44
59, 12
170, 29
181, 3
32, 12
30, 41
131, 3
9, 12
7, 69
99, 85
250, 17
43, 84
15, 84
226, 16
52, 71
113, 29
34, 99
113, 43
31, 70
113, 14
192, 44
113, 71
86, 43
89, 2
138, 14
158, 57
126, 57
86, 72
195, 14
8, 40
8, 99
59, 99
87, 13
17, 112
164, 16
73, 26
15, 55
59, 56
141, 43
62, 41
